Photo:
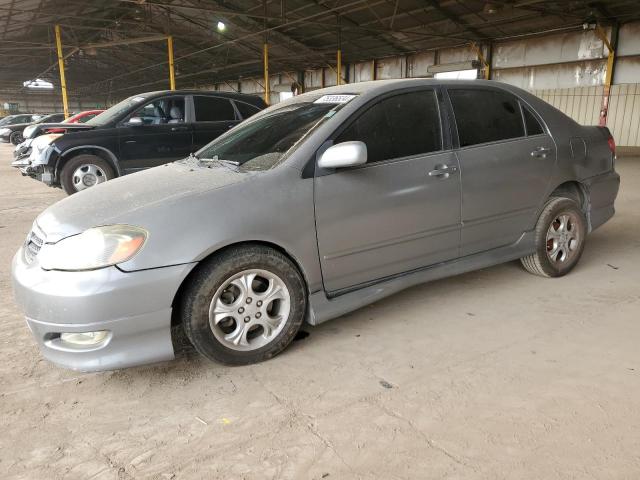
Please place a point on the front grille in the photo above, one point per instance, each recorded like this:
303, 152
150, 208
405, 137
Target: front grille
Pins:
32, 245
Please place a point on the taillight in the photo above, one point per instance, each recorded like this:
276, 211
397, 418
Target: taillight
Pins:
612, 144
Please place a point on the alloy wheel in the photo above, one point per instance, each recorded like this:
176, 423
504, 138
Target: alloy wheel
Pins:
249, 309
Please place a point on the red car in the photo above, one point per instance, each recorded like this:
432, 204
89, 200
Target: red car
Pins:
81, 117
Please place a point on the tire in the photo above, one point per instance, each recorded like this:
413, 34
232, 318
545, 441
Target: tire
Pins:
16, 138
77, 172
233, 325
560, 236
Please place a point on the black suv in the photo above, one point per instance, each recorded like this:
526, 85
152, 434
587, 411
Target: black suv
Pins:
140, 132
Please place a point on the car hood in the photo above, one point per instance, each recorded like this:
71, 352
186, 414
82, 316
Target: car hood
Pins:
138, 199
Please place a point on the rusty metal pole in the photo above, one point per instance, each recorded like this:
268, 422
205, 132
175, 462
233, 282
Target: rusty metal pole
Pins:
339, 55
608, 79
63, 81
172, 72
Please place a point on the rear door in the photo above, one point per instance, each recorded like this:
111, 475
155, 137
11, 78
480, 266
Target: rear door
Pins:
506, 160
155, 134
213, 117
401, 210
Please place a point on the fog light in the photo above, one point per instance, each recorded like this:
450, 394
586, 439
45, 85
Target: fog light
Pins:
84, 338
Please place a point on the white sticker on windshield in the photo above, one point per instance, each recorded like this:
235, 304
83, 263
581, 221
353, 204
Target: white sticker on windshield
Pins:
335, 98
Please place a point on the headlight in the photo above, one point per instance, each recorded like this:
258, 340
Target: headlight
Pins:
5, 131
28, 131
94, 248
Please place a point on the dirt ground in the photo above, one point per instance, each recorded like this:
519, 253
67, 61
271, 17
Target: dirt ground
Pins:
495, 374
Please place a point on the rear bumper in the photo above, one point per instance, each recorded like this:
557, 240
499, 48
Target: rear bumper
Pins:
134, 308
603, 191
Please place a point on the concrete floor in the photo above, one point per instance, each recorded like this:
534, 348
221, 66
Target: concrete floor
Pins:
495, 374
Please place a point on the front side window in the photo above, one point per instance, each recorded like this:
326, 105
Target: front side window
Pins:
260, 143
485, 115
161, 111
399, 126
213, 109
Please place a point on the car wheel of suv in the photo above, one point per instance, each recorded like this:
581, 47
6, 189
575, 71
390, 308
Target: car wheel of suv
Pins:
560, 235
84, 171
244, 305
16, 138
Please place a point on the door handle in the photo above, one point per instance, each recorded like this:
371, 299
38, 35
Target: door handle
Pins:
443, 171
179, 129
540, 152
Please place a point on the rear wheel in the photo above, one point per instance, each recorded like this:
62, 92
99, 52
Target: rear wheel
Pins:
244, 305
16, 138
560, 236
84, 171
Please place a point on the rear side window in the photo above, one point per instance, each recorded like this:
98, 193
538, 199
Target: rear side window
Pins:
531, 122
213, 109
485, 116
246, 110
399, 126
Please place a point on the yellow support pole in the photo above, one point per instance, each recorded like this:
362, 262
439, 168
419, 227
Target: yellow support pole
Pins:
339, 68
608, 79
267, 92
172, 72
63, 81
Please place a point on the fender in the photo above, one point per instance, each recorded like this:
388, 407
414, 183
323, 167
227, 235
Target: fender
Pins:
110, 154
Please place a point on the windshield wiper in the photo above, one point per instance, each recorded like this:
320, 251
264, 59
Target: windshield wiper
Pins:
219, 160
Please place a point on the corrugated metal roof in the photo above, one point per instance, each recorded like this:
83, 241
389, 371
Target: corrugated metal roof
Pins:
301, 34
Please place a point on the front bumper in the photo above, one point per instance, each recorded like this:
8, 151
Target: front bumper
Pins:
133, 307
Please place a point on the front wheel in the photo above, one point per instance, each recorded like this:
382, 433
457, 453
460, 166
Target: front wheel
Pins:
244, 305
16, 138
84, 171
560, 236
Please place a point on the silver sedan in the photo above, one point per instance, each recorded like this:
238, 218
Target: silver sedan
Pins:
311, 209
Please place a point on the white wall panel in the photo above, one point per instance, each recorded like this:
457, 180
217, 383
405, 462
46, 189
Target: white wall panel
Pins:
576, 74
312, 79
392, 67
418, 64
627, 69
455, 55
559, 48
629, 39
361, 72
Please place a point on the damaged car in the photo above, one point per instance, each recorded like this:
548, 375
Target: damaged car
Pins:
311, 209
140, 132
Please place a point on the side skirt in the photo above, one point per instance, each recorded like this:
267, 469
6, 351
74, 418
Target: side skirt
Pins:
323, 308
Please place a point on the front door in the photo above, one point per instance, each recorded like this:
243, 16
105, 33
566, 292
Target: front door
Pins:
506, 160
398, 212
155, 134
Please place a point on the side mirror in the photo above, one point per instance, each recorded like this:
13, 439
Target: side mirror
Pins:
133, 121
346, 154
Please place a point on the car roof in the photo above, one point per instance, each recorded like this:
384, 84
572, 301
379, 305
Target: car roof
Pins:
244, 97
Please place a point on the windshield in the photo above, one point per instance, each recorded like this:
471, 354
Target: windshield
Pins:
260, 143
118, 109
6, 120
